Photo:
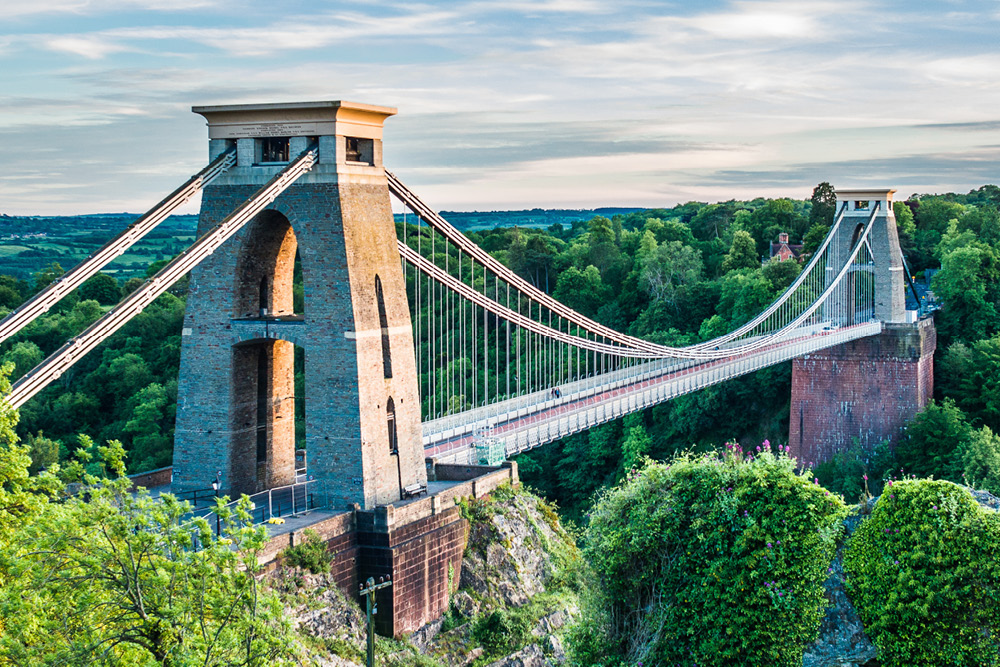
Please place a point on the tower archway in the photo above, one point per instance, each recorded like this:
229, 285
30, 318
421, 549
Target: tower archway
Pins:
265, 272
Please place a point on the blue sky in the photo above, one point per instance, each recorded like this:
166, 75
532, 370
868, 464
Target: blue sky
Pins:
524, 103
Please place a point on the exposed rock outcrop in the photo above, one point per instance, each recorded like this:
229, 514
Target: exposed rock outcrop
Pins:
842, 640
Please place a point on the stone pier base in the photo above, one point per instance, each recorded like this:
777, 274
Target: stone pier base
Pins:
866, 389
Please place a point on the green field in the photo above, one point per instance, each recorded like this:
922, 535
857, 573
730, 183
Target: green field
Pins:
68, 240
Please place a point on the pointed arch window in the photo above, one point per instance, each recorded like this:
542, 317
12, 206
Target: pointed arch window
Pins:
390, 418
383, 322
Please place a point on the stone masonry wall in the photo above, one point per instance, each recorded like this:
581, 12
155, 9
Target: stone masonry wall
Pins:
866, 389
345, 236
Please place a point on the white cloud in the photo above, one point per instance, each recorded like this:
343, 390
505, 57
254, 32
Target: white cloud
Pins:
21, 9
91, 47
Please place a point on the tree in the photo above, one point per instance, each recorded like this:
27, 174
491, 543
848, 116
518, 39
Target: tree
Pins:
149, 434
824, 205
581, 290
44, 452
814, 238
964, 282
924, 574
932, 439
114, 578
713, 220
25, 355
670, 267
979, 457
22, 496
905, 226
781, 274
742, 253
935, 214
976, 387
744, 294
603, 251
710, 560
44, 277
637, 443
102, 288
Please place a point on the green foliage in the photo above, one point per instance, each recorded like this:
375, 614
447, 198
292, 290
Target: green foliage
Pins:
924, 575
979, 457
824, 205
932, 438
967, 283
310, 554
502, 630
742, 253
584, 291
102, 288
121, 579
44, 452
708, 560
857, 471
25, 355
970, 375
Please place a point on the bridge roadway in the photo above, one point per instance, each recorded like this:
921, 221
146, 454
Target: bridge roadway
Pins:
536, 419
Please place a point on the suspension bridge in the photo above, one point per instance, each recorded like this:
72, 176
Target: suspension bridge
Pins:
499, 360
421, 347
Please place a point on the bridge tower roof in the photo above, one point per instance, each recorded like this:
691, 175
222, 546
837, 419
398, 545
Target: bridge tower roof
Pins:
327, 118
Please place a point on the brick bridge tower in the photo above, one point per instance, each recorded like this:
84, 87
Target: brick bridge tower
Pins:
869, 388
334, 227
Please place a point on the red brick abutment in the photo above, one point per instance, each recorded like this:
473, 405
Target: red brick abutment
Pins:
867, 389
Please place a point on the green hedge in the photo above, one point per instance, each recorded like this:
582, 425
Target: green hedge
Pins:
708, 560
924, 574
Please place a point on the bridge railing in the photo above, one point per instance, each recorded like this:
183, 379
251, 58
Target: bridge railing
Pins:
504, 410
280, 502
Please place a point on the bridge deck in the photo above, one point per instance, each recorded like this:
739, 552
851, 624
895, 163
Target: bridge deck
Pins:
537, 419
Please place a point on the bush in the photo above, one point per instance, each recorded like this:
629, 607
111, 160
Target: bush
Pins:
708, 560
502, 630
924, 574
310, 554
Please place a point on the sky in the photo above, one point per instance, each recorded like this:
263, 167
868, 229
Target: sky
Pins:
514, 104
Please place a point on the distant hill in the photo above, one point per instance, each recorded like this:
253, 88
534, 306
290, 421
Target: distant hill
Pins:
535, 217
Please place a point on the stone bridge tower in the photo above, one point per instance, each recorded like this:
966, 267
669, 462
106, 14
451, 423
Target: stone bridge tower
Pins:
868, 389
334, 227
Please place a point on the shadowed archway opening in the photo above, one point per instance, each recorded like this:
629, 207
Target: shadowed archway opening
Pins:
266, 418
266, 270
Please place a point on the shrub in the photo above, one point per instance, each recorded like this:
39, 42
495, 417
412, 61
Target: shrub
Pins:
924, 574
310, 554
708, 560
502, 630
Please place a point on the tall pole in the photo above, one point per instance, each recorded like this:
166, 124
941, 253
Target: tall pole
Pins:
368, 591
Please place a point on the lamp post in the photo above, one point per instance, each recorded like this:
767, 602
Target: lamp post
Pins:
368, 591
215, 491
